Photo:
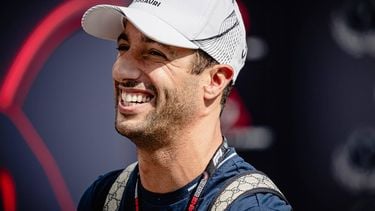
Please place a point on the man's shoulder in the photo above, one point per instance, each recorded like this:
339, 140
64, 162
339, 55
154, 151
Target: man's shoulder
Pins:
235, 168
95, 195
259, 201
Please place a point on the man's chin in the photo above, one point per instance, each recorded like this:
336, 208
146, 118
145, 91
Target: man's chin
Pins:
129, 129
127, 133
144, 138
123, 129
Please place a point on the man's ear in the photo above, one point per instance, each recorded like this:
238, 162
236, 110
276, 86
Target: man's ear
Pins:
220, 76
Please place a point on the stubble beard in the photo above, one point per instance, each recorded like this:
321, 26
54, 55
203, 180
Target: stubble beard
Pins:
162, 127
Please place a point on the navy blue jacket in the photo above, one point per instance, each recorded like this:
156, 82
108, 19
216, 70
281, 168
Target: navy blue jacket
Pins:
94, 197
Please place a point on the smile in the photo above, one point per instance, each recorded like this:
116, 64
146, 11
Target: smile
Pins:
134, 98
131, 99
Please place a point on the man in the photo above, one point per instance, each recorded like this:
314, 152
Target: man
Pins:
176, 63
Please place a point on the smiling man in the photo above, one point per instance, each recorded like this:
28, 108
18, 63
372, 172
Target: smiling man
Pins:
156, 92
175, 67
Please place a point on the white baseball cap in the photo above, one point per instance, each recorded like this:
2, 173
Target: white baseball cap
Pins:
215, 26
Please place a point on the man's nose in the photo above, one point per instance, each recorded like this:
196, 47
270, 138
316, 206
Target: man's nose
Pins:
126, 69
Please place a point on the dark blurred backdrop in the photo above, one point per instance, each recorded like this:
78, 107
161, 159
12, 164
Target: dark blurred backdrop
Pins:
302, 110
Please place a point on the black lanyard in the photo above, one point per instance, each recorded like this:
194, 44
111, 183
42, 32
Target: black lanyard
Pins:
214, 163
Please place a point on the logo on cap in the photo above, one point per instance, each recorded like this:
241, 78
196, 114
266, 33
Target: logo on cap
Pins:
152, 2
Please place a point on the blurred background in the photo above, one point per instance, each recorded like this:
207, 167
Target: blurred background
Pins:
302, 109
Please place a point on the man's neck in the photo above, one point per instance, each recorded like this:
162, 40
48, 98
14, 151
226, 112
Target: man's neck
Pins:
170, 168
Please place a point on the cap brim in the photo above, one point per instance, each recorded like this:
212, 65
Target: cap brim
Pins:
106, 22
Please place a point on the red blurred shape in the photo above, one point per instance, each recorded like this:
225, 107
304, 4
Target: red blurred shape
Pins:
46, 37
245, 14
7, 191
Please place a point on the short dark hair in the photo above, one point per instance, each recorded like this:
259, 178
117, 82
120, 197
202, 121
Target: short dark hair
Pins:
203, 61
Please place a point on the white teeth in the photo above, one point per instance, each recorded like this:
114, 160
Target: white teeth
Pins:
123, 96
132, 98
127, 98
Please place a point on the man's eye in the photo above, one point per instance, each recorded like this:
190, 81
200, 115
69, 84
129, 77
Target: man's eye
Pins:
123, 47
157, 53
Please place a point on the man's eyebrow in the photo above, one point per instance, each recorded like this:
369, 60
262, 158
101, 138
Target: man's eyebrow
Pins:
122, 36
167, 47
145, 39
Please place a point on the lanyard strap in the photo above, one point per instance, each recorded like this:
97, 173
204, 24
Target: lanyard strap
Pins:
214, 163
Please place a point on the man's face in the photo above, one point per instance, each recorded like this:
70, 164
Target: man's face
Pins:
156, 95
